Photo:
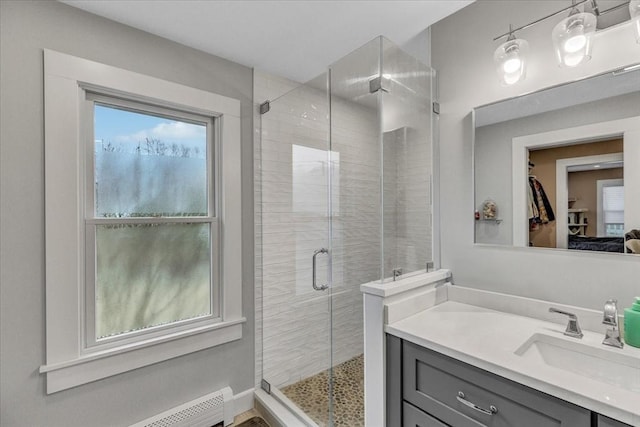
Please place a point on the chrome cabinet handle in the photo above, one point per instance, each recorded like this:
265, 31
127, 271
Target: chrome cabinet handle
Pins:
492, 409
313, 273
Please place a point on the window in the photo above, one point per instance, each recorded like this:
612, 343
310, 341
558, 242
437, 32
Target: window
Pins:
142, 220
150, 224
610, 207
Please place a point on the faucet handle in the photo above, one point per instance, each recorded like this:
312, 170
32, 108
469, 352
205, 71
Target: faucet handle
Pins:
610, 313
573, 327
612, 336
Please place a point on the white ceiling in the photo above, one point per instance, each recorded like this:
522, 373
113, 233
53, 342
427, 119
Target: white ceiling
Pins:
297, 39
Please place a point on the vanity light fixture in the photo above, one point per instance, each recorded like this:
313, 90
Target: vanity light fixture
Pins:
510, 59
627, 69
572, 37
634, 11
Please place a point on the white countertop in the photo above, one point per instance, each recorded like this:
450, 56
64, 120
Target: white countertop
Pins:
488, 339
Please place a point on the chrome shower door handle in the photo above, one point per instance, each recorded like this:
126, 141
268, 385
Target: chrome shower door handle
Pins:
313, 273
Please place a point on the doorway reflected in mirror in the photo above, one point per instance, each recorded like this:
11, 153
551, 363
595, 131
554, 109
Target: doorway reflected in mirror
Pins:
592, 174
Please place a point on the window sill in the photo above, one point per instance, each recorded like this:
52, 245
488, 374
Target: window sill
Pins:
99, 365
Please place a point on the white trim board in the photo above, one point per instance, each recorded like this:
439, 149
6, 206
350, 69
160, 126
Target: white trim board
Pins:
562, 190
243, 401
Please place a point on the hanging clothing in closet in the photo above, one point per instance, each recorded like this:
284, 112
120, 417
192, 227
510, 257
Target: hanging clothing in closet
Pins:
540, 210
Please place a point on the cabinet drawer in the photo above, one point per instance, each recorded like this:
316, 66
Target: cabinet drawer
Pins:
433, 383
414, 417
608, 422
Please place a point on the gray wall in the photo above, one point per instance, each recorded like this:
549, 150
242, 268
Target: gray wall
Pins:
27, 28
462, 53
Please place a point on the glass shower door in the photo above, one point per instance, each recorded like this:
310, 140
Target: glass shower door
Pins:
296, 172
345, 199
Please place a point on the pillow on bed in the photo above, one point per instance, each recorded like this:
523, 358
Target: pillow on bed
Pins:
634, 245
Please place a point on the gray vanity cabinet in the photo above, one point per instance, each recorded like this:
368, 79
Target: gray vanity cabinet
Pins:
426, 388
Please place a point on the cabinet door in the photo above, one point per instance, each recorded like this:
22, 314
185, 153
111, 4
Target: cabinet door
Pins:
414, 417
608, 422
464, 396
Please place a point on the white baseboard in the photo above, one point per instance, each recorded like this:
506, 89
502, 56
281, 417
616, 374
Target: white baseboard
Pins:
243, 401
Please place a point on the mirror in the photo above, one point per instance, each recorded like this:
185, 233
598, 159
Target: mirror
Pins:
560, 168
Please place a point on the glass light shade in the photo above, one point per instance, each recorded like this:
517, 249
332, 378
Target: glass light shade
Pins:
510, 61
634, 11
572, 38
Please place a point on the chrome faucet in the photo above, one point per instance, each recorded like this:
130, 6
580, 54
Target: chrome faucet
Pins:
573, 328
612, 336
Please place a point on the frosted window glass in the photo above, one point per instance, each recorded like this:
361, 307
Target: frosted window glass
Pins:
151, 274
147, 165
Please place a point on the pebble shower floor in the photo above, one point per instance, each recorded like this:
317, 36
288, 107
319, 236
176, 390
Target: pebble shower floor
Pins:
312, 395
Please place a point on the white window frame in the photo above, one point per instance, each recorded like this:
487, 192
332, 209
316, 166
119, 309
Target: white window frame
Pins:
69, 363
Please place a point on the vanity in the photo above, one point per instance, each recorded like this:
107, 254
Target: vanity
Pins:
457, 364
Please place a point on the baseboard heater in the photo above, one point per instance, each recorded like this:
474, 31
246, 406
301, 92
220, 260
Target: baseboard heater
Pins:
205, 411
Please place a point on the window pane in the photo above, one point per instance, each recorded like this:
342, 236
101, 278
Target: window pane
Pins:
151, 274
614, 230
148, 165
613, 210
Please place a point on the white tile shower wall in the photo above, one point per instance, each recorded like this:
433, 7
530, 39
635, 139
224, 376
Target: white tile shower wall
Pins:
292, 340
414, 235
407, 186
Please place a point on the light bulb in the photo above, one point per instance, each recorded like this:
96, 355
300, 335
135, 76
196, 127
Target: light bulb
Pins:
510, 60
511, 79
511, 65
575, 43
572, 38
572, 60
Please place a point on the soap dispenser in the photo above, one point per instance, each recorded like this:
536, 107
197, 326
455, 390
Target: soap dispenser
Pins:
632, 324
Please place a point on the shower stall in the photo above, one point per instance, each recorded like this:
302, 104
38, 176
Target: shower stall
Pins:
344, 167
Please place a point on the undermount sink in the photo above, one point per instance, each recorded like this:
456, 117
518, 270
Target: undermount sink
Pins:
586, 360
